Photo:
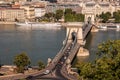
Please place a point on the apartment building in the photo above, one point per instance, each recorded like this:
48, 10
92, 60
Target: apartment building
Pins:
39, 7
39, 11
10, 14
28, 11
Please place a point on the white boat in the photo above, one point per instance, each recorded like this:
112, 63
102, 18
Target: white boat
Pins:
117, 26
39, 25
102, 27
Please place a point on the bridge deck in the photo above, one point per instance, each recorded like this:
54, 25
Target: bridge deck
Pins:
86, 31
70, 57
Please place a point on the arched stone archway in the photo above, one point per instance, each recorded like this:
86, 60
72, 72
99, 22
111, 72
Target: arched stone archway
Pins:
89, 17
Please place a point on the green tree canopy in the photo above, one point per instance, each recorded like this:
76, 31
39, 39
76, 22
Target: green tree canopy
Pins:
116, 15
106, 66
21, 60
49, 16
72, 16
41, 65
59, 14
105, 16
68, 11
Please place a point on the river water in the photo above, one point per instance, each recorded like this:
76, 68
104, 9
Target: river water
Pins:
94, 39
40, 44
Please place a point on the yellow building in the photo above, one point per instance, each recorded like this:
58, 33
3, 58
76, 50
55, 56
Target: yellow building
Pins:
11, 14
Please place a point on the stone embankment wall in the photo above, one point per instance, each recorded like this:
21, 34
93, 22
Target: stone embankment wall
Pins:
7, 22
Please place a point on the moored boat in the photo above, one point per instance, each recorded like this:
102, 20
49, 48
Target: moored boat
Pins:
117, 26
102, 27
39, 25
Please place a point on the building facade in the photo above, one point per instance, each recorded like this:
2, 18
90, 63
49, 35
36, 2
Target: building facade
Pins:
53, 7
28, 11
10, 14
97, 8
92, 9
39, 12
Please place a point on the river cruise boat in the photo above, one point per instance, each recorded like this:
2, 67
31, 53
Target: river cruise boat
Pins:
102, 27
39, 25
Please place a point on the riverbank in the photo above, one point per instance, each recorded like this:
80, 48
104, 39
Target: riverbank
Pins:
8, 72
7, 22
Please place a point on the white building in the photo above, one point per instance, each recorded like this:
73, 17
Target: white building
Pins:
39, 12
92, 9
97, 8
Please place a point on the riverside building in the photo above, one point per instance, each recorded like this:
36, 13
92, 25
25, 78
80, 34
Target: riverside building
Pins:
28, 11
97, 8
11, 14
52, 7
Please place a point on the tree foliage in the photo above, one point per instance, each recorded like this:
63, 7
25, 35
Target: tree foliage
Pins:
59, 14
105, 16
68, 15
106, 66
72, 16
116, 15
41, 65
21, 60
49, 16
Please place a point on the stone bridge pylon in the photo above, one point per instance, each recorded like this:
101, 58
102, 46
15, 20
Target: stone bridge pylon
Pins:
74, 27
78, 28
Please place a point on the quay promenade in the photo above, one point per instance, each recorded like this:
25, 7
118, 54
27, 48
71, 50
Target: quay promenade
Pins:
7, 22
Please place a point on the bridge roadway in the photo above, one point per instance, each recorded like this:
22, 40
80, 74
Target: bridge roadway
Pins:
86, 30
58, 66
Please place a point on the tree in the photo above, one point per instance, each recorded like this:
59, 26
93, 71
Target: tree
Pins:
41, 65
105, 16
80, 17
49, 16
59, 14
21, 60
68, 11
107, 64
116, 15
72, 16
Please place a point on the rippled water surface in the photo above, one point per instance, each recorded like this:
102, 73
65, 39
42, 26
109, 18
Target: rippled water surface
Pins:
39, 44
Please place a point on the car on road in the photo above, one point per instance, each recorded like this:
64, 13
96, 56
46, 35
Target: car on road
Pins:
46, 72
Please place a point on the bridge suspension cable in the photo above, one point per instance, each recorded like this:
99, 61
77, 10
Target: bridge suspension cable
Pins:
66, 39
75, 41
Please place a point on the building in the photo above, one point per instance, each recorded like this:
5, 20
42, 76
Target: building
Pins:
39, 7
92, 9
11, 14
28, 11
39, 11
97, 8
51, 7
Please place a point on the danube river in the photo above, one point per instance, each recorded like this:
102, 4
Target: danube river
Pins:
40, 44
94, 39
